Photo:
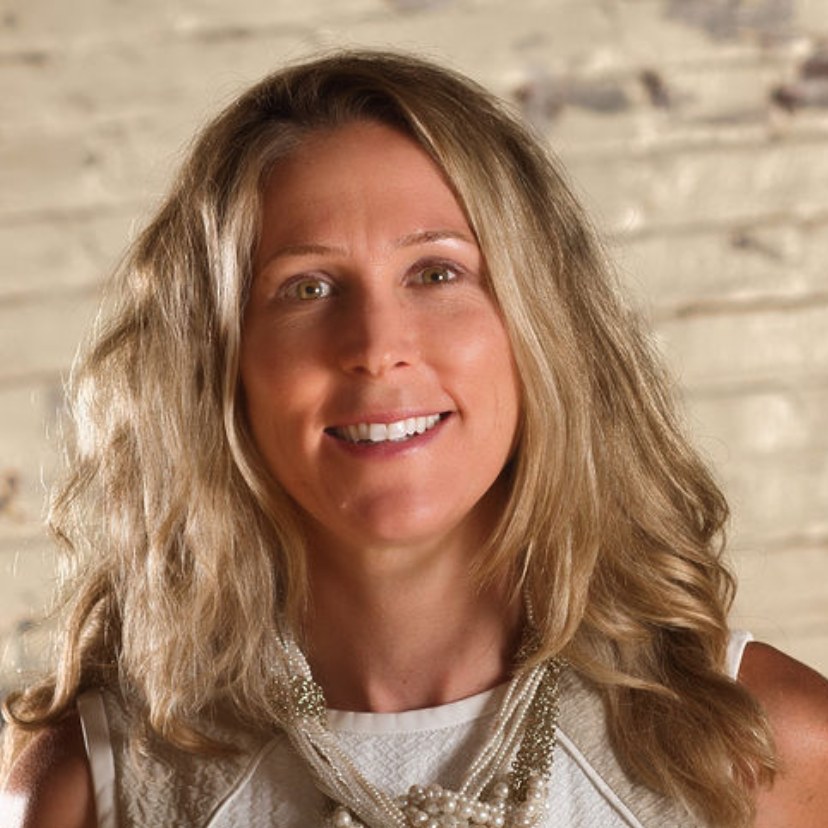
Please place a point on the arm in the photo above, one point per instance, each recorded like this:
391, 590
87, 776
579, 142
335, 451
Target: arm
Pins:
795, 699
50, 785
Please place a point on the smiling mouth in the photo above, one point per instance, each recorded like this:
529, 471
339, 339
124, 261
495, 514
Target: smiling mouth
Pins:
396, 432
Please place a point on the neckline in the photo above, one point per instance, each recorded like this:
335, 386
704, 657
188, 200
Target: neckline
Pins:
426, 718
468, 709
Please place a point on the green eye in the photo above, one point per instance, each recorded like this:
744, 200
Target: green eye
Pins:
437, 275
309, 289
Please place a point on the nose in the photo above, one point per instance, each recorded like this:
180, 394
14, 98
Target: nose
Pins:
378, 335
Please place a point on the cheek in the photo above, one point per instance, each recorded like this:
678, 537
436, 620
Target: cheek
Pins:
507, 402
506, 388
274, 371
487, 356
482, 365
266, 388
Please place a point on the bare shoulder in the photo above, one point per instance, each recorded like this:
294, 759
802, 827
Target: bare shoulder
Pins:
50, 785
795, 699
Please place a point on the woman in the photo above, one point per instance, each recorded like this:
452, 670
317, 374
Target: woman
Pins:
370, 430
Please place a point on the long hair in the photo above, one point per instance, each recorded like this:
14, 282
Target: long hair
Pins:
186, 551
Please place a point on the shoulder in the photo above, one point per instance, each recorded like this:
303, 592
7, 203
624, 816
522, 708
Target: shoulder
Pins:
50, 785
795, 700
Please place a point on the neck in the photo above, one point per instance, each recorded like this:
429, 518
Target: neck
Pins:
393, 630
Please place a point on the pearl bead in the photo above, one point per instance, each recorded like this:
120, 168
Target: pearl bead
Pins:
500, 790
342, 818
536, 783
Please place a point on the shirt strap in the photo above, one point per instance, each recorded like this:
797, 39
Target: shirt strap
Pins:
96, 738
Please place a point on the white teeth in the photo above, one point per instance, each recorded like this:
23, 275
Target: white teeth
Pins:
382, 432
377, 432
396, 431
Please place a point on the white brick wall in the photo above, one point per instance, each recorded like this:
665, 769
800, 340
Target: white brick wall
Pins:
696, 130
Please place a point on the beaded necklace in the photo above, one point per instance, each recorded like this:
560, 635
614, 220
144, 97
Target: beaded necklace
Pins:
490, 796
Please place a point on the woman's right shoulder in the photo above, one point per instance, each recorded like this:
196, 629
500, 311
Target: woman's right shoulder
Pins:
50, 784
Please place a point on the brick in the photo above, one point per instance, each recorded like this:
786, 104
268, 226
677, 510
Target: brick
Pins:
33, 25
31, 420
49, 255
27, 581
808, 648
106, 167
679, 95
706, 186
710, 352
503, 44
667, 101
59, 172
41, 337
629, 31
117, 140
559, 107
182, 79
810, 17
644, 32
770, 451
725, 92
778, 498
783, 599
727, 265
779, 422
769, 20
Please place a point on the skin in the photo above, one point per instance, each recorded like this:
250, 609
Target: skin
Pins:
369, 304
50, 785
394, 530
795, 699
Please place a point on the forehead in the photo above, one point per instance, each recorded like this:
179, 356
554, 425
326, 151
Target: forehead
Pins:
363, 174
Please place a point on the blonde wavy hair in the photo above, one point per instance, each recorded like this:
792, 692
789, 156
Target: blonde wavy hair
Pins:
185, 551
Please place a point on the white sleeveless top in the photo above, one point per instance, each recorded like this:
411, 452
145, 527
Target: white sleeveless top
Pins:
271, 787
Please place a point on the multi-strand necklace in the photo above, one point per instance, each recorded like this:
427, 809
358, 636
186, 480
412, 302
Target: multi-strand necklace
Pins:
493, 793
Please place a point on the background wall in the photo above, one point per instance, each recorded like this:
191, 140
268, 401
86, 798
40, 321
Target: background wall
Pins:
696, 130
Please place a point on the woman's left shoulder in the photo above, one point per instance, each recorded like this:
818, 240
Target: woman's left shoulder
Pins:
795, 700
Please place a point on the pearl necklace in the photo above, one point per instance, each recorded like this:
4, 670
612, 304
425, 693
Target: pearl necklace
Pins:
525, 726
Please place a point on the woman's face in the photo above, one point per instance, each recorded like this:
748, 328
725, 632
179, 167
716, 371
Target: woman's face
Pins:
378, 377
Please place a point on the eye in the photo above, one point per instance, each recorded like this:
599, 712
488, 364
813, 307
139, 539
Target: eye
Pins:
307, 288
436, 274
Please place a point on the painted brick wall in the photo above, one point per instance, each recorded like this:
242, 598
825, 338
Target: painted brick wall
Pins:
696, 130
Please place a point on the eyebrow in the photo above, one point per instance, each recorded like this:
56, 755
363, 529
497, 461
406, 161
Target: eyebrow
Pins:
425, 236
410, 240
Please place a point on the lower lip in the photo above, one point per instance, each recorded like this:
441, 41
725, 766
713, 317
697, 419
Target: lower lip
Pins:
389, 448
